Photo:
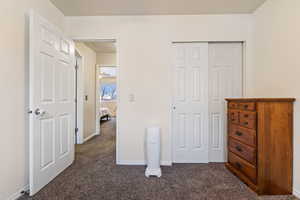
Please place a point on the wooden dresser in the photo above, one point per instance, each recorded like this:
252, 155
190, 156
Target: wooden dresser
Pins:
260, 143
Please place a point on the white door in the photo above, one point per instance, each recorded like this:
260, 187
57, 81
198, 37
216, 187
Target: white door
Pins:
52, 102
190, 103
225, 80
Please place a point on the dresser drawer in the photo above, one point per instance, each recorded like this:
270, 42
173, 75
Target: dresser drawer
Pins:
246, 152
247, 106
247, 119
243, 166
233, 105
250, 115
248, 123
234, 116
247, 136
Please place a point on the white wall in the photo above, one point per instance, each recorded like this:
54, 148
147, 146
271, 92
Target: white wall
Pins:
14, 62
89, 65
107, 59
277, 63
144, 53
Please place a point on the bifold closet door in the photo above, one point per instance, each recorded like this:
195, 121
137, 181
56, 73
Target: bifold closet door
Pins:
190, 103
225, 81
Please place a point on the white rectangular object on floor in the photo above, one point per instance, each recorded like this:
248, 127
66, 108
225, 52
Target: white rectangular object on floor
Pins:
153, 152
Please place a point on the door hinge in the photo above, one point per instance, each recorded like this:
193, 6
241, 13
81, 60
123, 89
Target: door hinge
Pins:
76, 66
25, 192
76, 130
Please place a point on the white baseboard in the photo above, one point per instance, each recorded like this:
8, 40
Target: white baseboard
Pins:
17, 194
296, 193
131, 162
141, 162
166, 163
89, 137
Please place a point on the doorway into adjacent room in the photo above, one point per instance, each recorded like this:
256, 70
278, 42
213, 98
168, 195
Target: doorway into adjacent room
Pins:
96, 93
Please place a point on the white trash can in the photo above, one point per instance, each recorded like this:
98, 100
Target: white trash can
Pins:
153, 152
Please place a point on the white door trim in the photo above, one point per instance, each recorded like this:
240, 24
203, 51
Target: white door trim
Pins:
95, 39
98, 103
80, 96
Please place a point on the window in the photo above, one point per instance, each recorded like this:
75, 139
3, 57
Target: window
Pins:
108, 91
108, 83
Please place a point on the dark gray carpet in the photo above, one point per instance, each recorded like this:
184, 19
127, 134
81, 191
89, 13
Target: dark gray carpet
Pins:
95, 176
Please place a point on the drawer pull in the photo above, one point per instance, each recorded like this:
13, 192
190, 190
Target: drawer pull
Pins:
238, 165
239, 133
239, 149
245, 123
245, 106
246, 116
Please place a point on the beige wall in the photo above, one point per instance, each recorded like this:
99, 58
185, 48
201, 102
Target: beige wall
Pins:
14, 157
145, 46
108, 59
89, 65
144, 55
277, 63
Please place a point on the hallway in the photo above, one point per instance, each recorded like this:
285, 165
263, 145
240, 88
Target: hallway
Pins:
95, 176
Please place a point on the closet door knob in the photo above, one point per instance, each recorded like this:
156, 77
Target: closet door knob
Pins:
39, 112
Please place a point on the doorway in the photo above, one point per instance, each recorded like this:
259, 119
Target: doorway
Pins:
204, 74
97, 96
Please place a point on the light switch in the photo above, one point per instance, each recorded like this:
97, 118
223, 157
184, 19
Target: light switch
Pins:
131, 98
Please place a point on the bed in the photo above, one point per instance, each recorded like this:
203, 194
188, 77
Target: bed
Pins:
104, 113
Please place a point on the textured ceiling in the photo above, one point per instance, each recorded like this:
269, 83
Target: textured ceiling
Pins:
155, 7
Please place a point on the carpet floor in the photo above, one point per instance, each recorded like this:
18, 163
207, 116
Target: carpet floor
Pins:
95, 176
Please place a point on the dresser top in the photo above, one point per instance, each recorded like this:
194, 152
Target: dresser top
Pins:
262, 99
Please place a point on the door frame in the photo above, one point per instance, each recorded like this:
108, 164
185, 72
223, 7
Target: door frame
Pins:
114, 40
79, 94
243, 82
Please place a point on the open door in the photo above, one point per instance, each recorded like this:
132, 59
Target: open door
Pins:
52, 102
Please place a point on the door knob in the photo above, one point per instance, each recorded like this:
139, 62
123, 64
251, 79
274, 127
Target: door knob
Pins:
39, 112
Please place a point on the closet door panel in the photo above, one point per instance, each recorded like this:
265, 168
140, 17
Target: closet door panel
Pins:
190, 103
225, 81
